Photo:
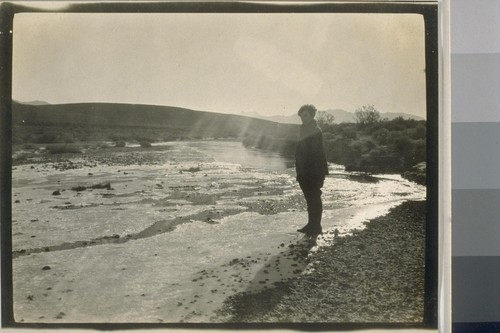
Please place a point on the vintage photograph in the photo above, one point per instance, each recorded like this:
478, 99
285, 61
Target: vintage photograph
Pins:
223, 164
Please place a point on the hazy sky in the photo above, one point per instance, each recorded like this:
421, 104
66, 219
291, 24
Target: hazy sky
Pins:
232, 63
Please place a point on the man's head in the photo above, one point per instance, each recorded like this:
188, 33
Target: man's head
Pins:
307, 113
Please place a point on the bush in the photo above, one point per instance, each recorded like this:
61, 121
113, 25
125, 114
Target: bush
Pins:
366, 115
417, 174
404, 145
394, 136
120, 144
420, 132
369, 145
350, 134
378, 160
381, 135
420, 151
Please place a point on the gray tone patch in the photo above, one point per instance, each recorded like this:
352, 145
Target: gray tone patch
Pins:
474, 26
475, 228
475, 154
476, 289
475, 86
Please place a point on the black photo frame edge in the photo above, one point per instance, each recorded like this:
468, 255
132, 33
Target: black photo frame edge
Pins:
429, 10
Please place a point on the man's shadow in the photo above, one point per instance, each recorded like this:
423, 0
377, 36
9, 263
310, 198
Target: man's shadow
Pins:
270, 283
287, 264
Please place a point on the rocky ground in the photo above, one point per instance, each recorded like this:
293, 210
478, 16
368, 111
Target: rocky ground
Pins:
90, 157
374, 275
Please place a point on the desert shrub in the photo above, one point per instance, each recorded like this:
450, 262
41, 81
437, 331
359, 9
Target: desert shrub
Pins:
373, 127
361, 147
396, 124
145, 144
381, 152
404, 146
336, 150
369, 145
64, 149
325, 120
350, 134
393, 136
420, 132
381, 135
366, 115
330, 149
328, 136
358, 148
420, 151
417, 173
379, 160
120, 144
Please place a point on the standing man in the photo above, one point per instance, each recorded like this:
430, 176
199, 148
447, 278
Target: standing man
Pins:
311, 167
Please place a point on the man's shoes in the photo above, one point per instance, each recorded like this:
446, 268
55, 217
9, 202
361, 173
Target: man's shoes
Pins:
305, 229
314, 232
311, 231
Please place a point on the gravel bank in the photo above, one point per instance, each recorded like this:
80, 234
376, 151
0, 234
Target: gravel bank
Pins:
372, 276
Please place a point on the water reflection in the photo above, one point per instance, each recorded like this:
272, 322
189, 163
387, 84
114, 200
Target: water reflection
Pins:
235, 152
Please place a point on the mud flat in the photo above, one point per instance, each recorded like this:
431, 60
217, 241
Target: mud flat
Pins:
372, 276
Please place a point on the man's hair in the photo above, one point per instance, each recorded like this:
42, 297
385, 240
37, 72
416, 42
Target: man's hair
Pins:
308, 108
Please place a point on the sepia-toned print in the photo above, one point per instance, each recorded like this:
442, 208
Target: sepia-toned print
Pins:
231, 164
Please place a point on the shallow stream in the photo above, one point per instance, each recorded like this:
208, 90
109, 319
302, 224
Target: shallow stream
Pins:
170, 241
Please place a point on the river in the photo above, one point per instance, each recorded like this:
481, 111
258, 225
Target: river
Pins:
169, 241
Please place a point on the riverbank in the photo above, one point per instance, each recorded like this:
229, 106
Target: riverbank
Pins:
372, 276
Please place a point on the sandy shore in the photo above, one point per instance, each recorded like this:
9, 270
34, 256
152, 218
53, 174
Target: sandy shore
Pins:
375, 275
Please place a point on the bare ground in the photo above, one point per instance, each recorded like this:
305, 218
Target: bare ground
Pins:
375, 275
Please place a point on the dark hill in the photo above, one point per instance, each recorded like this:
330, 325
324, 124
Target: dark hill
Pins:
184, 121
